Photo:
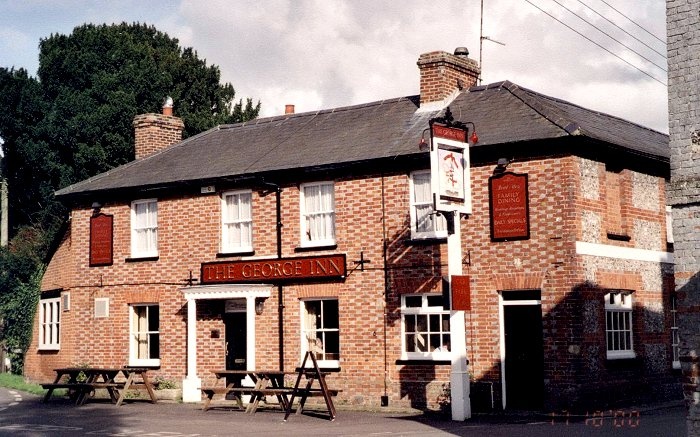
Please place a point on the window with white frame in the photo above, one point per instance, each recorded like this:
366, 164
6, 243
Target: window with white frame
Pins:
425, 223
425, 326
675, 339
144, 347
317, 214
236, 222
618, 325
144, 228
50, 323
321, 330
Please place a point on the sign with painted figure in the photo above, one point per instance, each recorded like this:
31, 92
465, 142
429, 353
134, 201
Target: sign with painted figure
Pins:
449, 165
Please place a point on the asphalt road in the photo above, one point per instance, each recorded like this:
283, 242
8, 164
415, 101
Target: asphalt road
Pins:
25, 415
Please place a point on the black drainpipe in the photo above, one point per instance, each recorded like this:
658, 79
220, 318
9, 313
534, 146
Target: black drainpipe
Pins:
280, 290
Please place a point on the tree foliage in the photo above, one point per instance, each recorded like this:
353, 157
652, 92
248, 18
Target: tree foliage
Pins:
75, 120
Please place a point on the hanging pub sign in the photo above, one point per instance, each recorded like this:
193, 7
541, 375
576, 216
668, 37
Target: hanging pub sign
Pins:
449, 169
509, 207
274, 270
101, 239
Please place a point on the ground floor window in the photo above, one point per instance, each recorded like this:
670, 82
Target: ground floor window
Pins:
50, 323
426, 327
618, 325
321, 330
144, 335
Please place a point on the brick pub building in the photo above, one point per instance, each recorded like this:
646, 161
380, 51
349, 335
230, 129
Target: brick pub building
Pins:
249, 244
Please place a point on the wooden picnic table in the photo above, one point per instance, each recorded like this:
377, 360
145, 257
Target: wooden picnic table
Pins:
264, 383
82, 381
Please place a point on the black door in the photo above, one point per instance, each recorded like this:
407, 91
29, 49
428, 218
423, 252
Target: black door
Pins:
524, 363
236, 335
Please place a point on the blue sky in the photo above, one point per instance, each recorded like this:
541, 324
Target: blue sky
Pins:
320, 54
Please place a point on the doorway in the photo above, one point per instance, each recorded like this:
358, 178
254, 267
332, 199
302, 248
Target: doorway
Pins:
236, 340
522, 350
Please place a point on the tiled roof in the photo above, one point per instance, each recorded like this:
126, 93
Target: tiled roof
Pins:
504, 113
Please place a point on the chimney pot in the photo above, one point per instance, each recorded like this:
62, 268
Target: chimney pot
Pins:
168, 106
462, 52
289, 109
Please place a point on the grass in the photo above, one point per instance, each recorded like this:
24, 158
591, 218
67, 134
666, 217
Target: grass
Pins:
17, 382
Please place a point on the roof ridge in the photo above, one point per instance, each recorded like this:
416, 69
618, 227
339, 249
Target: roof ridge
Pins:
135, 161
284, 117
571, 127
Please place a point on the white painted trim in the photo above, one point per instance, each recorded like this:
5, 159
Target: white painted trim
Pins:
628, 253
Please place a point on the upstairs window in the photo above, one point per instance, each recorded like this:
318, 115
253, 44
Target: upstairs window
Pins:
50, 324
236, 222
144, 228
426, 327
317, 214
618, 325
425, 222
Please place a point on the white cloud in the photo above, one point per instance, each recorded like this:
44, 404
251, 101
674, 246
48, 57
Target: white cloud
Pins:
319, 54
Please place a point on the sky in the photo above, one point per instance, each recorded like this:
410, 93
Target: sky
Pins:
321, 54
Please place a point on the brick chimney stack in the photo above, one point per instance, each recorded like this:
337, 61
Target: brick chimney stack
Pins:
289, 109
443, 75
154, 132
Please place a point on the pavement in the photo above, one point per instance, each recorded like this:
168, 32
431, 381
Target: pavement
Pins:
23, 414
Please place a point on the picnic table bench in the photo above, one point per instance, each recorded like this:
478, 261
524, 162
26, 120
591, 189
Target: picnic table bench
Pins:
81, 382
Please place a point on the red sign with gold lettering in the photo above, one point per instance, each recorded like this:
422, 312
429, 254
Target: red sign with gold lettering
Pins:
509, 207
274, 270
461, 293
101, 240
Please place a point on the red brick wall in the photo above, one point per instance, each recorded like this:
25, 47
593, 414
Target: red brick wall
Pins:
189, 234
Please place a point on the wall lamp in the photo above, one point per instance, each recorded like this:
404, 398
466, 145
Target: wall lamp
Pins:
259, 305
422, 144
474, 138
96, 206
501, 165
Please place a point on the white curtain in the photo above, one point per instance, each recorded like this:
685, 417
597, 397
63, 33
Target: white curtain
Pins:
319, 203
426, 220
237, 221
146, 226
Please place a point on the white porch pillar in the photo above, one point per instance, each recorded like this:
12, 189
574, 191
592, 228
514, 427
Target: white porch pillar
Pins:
192, 383
459, 376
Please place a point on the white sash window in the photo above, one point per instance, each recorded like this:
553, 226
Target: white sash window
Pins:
144, 228
425, 223
237, 222
317, 214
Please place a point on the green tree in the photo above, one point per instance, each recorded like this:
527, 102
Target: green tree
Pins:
75, 121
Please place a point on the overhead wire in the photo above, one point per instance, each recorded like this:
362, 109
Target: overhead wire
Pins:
596, 43
623, 30
632, 21
610, 36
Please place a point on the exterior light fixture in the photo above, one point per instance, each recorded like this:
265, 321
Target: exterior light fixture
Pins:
501, 165
259, 305
422, 144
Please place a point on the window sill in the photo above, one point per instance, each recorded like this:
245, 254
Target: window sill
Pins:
618, 236
424, 362
142, 258
149, 364
313, 248
233, 254
428, 241
626, 363
49, 348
